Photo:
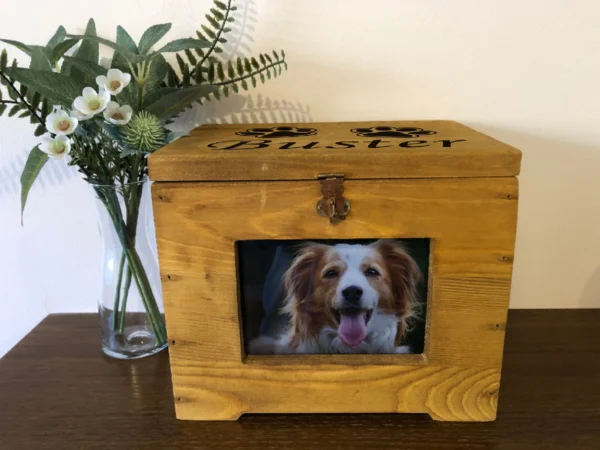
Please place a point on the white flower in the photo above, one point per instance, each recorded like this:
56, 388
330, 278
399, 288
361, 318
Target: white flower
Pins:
91, 102
114, 81
119, 115
59, 122
56, 147
79, 115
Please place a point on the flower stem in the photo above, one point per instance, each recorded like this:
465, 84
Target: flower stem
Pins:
124, 299
118, 293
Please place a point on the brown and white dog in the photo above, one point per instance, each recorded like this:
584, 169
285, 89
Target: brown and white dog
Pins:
347, 299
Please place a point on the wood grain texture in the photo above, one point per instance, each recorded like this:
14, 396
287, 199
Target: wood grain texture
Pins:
58, 391
472, 225
203, 157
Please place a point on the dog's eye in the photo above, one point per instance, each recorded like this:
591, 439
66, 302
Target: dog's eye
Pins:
371, 273
330, 274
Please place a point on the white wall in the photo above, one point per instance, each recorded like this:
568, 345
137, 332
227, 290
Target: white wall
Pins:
526, 73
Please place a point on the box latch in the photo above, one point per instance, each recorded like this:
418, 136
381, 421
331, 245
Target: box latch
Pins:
333, 205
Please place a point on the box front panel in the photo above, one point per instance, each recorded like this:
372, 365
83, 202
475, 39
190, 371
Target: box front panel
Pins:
471, 226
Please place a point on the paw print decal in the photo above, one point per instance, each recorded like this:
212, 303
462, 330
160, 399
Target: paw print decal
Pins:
278, 132
397, 132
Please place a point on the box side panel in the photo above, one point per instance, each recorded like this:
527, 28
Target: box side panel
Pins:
472, 223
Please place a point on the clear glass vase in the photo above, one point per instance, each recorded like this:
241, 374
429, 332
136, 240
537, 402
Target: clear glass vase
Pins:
130, 303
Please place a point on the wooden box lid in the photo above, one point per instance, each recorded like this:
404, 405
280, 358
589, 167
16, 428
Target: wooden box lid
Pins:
359, 150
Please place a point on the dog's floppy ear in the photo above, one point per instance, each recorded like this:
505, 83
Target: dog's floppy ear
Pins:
405, 276
298, 285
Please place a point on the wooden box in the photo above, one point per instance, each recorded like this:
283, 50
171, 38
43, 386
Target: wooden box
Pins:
228, 195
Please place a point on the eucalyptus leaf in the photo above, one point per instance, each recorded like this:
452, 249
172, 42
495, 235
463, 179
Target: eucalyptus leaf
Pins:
33, 166
159, 69
40, 59
89, 49
151, 36
62, 48
58, 88
58, 37
179, 45
19, 45
173, 103
103, 41
90, 68
124, 40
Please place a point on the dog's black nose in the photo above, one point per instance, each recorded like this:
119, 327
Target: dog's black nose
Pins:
352, 294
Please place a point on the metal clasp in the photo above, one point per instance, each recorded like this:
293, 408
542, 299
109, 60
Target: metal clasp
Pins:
333, 205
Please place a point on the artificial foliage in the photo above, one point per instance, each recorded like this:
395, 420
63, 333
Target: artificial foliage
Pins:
106, 121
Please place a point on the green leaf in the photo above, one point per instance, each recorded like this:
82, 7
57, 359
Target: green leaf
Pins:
125, 41
179, 45
3, 59
173, 79
14, 110
253, 79
198, 78
89, 48
151, 36
159, 70
244, 85
23, 90
235, 88
209, 32
262, 78
103, 41
190, 56
40, 59
19, 45
247, 65
33, 166
174, 135
212, 22
157, 94
220, 71
254, 63
275, 55
58, 37
226, 91
88, 67
3, 107
39, 130
262, 59
111, 130
62, 48
185, 76
24, 114
230, 71
56, 87
35, 101
240, 66
268, 58
211, 73
180, 63
173, 103
220, 5
217, 14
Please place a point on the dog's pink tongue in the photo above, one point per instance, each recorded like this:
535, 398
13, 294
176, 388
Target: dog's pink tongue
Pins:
352, 329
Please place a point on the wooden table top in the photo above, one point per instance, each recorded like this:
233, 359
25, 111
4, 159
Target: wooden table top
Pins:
58, 391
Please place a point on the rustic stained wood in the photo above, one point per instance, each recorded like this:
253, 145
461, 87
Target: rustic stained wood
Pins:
236, 152
58, 391
471, 222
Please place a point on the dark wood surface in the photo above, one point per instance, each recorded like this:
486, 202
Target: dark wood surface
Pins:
58, 391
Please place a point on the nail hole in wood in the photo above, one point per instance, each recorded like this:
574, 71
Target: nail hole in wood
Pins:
168, 277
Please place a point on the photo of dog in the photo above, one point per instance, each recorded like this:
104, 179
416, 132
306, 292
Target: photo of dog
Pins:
346, 298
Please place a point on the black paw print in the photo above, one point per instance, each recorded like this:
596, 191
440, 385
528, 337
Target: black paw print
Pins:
278, 132
398, 132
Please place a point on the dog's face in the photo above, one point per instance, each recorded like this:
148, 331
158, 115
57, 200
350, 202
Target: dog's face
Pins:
342, 286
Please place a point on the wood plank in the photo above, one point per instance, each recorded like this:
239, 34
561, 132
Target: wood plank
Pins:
220, 153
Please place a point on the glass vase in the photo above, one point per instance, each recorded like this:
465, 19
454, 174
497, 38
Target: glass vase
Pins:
130, 304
